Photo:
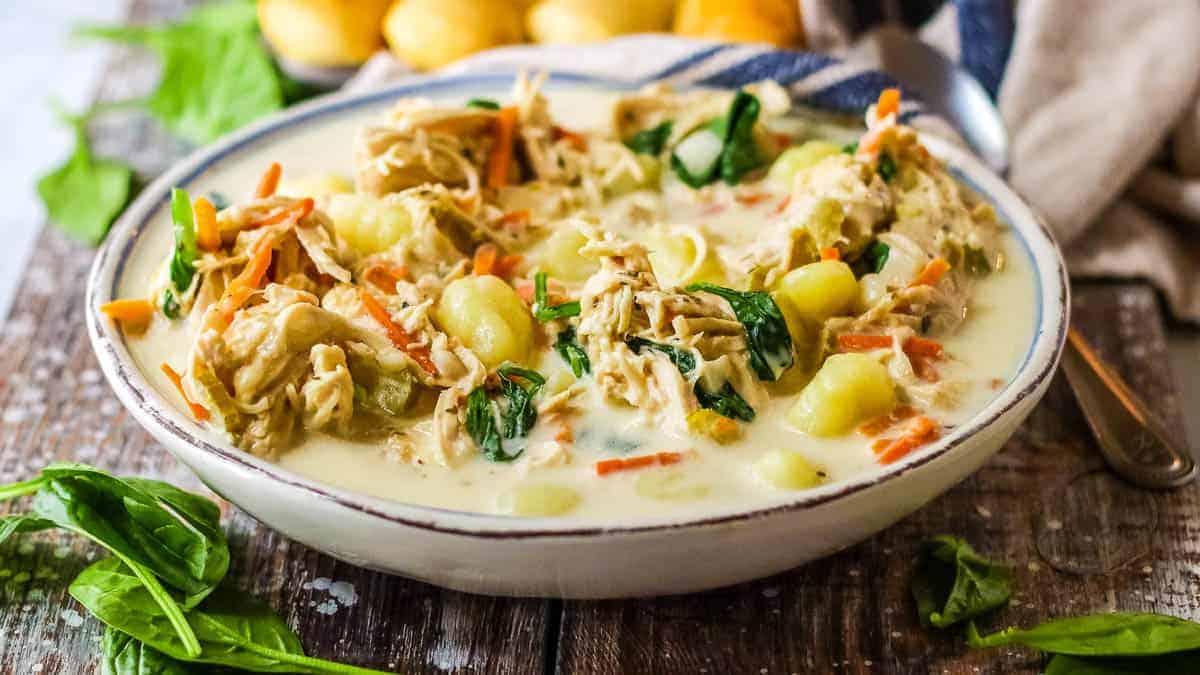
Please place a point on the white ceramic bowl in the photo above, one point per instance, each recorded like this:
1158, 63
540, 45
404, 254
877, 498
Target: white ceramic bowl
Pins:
543, 556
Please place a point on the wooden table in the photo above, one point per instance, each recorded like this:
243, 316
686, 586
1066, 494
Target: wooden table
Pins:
1079, 539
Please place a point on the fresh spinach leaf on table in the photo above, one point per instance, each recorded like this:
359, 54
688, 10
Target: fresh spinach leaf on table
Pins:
953, 583
1116, 634
766, 332
85, 194
235, 630
216, 73
161, 533
120, 654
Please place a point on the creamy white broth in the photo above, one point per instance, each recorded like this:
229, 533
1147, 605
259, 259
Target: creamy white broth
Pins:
986, 349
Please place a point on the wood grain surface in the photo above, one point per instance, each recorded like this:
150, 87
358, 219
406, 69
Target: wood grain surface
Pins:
1079, 539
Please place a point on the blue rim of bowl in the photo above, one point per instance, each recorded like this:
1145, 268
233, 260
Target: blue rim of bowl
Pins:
136, 392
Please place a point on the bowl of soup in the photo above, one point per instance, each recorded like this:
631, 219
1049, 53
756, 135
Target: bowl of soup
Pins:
562, 336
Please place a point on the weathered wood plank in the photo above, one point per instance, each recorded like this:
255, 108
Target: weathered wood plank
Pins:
1080, 539
55, 406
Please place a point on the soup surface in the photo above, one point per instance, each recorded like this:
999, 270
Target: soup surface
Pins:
582, 304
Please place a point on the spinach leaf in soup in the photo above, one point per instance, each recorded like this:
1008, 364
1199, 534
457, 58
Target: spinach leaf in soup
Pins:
1116, 634
724, 148
519, 386
740, 154
953, 583
490, 425
543, 311
684, 360
183, 261
766, 331
725, 402
887, 166
651, 141
568, 347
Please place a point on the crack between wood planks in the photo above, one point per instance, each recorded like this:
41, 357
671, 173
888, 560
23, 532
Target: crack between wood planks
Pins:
552, 636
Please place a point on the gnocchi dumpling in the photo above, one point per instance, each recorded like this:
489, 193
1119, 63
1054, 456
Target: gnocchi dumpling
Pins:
787, 470
558, 255
538, 499
848, 389
819, 290
794, 160
669, 485
487, 316
369, 224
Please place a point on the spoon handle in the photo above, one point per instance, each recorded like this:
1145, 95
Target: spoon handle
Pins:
1132, 439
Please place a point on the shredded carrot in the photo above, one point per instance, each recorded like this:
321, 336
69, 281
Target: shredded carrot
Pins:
923, 368
783, 204
919, 346
921, 351
399, 337
506, 264
713, 209
830, 253
247, 281
198, 411
564, 435
525, 290
129, 311
385, 276
607, 466
269, 181
292, 212
884, 422
932, 273
751, 198
515, 220
881, 444
500, 158
851, 342
208, 235
485, 260
889, 103
921, 431
577, 141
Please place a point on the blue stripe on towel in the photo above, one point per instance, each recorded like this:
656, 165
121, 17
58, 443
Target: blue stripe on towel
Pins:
687, 62
784, 67
852, 94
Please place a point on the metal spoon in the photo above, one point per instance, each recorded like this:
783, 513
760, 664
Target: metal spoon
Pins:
1134, 442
